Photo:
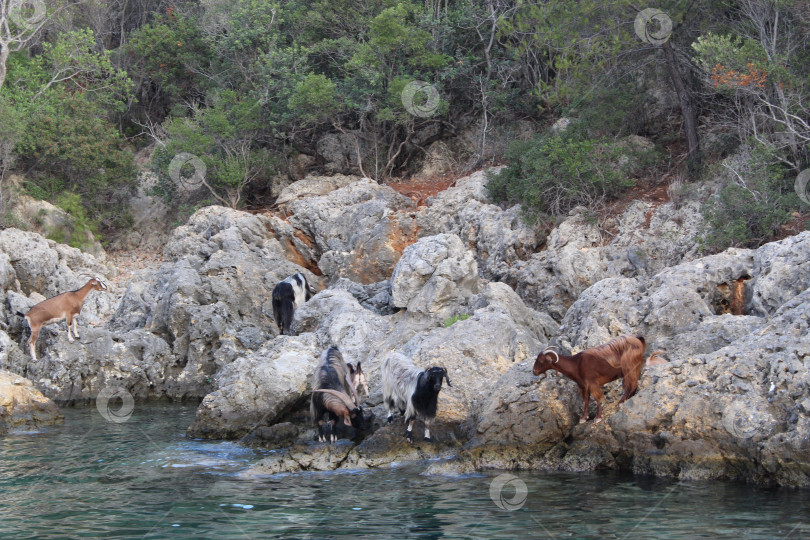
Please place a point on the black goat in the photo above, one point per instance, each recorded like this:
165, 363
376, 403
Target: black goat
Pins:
287, 296
412, 391
334, 394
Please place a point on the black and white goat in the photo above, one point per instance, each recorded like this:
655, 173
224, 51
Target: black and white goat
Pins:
287, 296
334, 393
412, 391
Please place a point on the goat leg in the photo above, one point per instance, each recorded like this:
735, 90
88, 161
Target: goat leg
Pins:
586, 397
69, 321
427, 432
408, 434
598, 396
598, 411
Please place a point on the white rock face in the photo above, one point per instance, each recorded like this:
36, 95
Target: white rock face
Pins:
435, 276
255, 390
732, 402
312, 186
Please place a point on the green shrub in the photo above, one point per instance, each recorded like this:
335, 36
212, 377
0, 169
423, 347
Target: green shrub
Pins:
70, 146
76, 235
751, 206
454, 319
553, 173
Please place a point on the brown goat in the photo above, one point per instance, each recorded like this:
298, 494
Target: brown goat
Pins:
622, 356
63, 306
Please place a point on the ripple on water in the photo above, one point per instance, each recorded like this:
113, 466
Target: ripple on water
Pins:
143, 478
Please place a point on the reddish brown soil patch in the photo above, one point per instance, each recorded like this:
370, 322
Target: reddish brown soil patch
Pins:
799, 221
419, 189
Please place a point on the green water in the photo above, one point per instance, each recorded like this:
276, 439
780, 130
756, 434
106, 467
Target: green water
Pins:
144, 479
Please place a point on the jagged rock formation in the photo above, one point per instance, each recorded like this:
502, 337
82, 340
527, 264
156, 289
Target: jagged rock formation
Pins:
461, 283
22, 405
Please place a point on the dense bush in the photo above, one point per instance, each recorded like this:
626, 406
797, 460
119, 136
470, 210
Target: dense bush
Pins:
553, 173
754, 202
246, 86
69, 149
222, 139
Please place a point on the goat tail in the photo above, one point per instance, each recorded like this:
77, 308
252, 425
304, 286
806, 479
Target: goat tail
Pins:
632, 361
283, 313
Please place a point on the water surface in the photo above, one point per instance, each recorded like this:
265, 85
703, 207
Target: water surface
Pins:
143, 478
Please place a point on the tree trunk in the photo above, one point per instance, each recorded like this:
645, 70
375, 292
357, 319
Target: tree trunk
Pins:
4, 52
687, 111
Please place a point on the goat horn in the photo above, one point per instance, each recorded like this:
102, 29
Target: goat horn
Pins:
342, 395
97, 278
556, 356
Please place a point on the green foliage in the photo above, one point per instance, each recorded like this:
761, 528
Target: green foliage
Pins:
751, 206
611, 110
68, 145
395, 39
12, 124
245, 84
221, 136
454, 319
62, 99
245, 27
68, 138
172, 54
314, 99
71, 65
553, 173
81, 229
731, 51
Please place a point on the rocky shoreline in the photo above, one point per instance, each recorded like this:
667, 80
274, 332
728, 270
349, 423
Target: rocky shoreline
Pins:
461, 283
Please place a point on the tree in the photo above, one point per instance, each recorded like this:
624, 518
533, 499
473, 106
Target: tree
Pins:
215, 149
577, 49
20, 22
759, 73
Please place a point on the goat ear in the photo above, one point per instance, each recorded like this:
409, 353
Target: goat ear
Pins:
350, 366
446, 378
359, 369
